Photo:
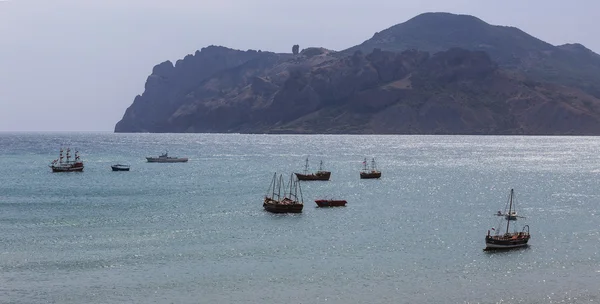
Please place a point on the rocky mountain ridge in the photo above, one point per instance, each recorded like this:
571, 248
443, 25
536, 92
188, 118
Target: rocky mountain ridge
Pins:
378, 87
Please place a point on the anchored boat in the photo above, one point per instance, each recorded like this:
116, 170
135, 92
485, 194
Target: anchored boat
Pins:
68, 165
165, 158
290, 202
371, 172
119, 167
319, 175
504, 238
330, 203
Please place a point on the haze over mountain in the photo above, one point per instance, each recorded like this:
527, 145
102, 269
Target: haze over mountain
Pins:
93, 57
437, 73
571, 64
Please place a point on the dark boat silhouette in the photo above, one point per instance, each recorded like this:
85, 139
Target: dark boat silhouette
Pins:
330, 203
119, 167
371, 172
321, 174
290, 202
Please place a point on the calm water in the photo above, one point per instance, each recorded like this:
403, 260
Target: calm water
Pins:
196, 232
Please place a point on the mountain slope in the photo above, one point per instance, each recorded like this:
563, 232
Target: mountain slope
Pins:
572, 65
437, 73
451, 92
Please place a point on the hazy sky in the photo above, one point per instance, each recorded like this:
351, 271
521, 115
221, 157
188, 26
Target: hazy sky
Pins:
76, 65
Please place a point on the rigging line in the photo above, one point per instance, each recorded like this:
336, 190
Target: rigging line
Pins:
300, 188
507, 203
515, 203
499, 225
271, 184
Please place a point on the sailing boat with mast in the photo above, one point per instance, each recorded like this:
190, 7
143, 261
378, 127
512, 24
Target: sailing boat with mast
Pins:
290, 202
319, 175
371, 172
60, 165
508, 239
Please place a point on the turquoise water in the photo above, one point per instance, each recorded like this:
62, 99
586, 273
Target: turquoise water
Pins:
196, 232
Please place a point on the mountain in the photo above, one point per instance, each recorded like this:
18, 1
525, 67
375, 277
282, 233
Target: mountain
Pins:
569, 64
169, 85
470, 78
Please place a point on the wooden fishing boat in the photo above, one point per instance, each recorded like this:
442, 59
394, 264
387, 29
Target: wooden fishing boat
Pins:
330, 203
290, 202
369, 172
68, 165
321, 174
506, 239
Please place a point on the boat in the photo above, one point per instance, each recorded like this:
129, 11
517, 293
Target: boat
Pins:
512, 216
68, 165
165, 158
119, 167
319, 175
506, 239
371, 172
290, 202
330, 203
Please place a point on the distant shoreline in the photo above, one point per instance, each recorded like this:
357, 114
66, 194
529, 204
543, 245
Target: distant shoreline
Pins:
295, 134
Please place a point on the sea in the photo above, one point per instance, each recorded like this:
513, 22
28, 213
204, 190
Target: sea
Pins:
196, 232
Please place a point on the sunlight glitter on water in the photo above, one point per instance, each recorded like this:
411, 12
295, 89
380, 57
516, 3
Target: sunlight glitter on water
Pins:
180, 232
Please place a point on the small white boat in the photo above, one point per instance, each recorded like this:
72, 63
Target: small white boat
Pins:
511, 216
165, 158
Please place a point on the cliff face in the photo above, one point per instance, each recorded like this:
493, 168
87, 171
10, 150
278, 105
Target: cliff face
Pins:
168, 87
434, 74
451, 92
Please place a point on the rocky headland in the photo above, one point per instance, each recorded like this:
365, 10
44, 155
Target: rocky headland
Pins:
437, 73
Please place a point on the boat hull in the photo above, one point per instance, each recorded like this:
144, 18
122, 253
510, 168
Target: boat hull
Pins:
75, 165
331, 203
492, 243
167, 160
370, 175
78, 169
277, 207
319, 176
115, 168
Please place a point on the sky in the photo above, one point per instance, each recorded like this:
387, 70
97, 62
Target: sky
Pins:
76, 65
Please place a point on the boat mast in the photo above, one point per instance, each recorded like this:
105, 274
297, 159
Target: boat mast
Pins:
273, 185
279, 188
61, 155
299, 188
321, 166
306, 166
365, 164
295, 195
373, 164
509, 209
291, 176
